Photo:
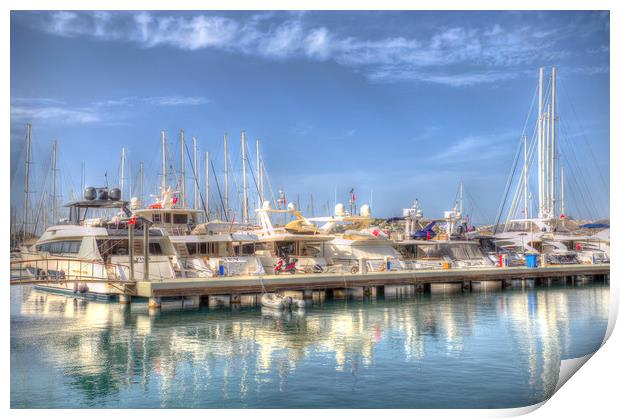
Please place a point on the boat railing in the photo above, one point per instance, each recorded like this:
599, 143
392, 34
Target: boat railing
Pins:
65, 270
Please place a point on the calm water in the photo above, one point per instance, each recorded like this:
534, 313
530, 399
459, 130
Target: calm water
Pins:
468, 350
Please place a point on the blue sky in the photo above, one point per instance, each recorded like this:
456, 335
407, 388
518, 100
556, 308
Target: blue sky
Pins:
403, 104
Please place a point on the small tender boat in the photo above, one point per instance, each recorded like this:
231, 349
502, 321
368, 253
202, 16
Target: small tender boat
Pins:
275, 301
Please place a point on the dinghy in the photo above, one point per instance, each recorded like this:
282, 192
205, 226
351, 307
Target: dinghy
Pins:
275, 300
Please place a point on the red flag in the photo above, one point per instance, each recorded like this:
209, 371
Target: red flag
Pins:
428, 235
175, 199
132, 220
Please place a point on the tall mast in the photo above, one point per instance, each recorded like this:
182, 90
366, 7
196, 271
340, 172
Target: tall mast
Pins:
548, 160
461, 199
122, 173
24, 232
141, 181
54, 182
541, 169
553, 142
226, 210
195, 174
562, 208
83, 178
245, 184
183, 167
163, 161
525, 208
207, 183
258, 172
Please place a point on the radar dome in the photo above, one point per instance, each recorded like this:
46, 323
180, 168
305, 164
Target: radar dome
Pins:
90, 193
365, 210
115, 194
339, 210
291, 206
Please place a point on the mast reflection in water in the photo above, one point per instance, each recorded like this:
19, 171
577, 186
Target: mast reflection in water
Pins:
467, 350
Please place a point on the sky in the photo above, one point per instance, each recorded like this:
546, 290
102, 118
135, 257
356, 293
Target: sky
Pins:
397, 105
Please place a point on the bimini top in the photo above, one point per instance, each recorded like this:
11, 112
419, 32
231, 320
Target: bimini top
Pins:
96, 203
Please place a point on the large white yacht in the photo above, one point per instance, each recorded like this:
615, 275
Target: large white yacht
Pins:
207, 249
93, 246
298, 239
355, 239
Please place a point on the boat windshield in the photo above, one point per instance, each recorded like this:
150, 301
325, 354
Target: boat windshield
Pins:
460, 251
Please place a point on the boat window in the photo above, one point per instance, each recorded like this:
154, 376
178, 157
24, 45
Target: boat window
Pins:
72, 246
180, 219
156, 218
167, 217
284, 249
155, 249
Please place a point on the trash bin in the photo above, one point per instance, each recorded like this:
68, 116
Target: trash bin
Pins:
531, 260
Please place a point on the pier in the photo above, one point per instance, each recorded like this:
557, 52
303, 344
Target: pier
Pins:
245, 289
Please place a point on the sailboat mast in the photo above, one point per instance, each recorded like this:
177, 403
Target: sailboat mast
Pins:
548, 160
245, 184
183, 167
525, 208
541, 169
553, 156
123, 173
461, 199
83, 180
258, 171
562, 209
54, 182
141, 181
207, 184
195, 173
24, 232
163, 161
227, 211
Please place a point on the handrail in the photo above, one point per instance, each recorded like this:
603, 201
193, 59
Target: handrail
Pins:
65, 270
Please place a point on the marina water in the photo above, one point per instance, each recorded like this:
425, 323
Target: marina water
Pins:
470, 350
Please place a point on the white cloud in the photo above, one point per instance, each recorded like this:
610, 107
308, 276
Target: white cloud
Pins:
453, 56
177, 100
33, 109
58, 114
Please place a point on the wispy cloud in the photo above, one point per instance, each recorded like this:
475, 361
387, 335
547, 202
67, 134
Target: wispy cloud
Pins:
37, 109
453, 56
476, 148
60, 114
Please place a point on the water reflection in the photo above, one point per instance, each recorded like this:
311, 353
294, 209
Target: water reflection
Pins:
473, 350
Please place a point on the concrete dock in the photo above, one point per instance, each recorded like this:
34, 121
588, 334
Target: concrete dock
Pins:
227, 290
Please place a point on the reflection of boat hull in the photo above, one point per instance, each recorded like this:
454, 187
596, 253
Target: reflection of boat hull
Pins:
69, 290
